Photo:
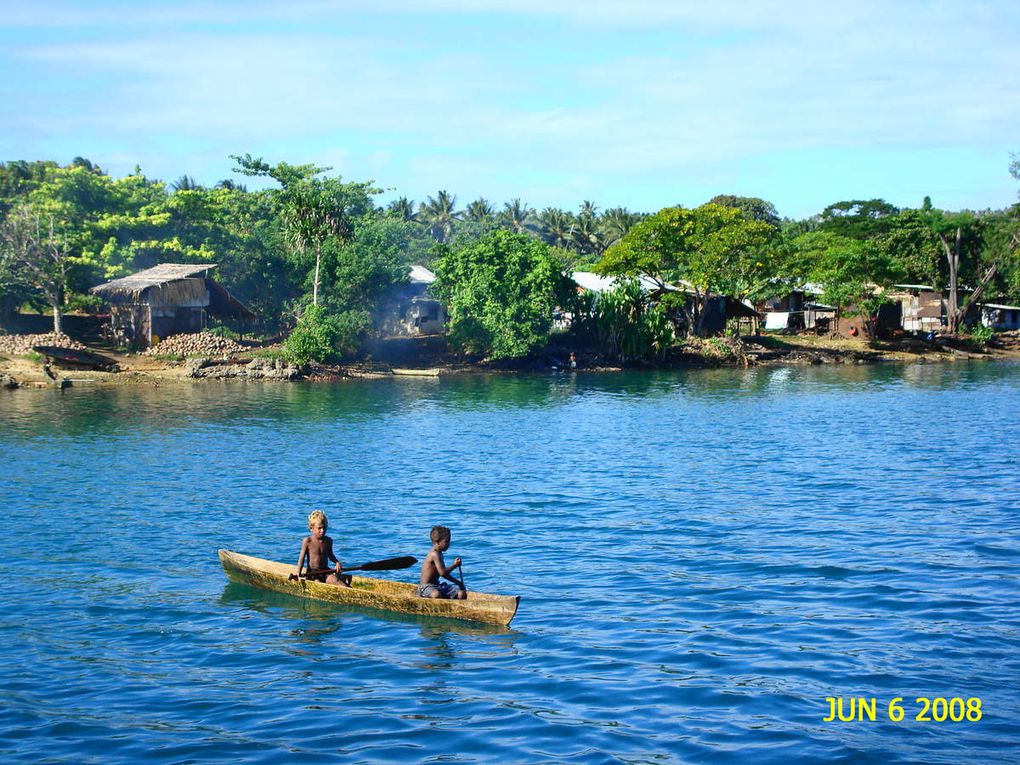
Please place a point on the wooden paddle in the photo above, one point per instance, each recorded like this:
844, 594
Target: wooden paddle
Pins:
461, 582
390, 564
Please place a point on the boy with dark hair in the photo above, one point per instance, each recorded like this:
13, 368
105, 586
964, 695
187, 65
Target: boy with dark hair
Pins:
435, 567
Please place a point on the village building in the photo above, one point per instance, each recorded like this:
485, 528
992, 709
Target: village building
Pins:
921, 308
718, 308
410, 310
168, 299
997, 316
795, 310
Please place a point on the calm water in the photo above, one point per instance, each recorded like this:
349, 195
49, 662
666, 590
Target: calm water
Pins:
703, 558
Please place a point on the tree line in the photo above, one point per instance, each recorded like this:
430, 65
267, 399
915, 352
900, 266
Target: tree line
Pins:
316, 253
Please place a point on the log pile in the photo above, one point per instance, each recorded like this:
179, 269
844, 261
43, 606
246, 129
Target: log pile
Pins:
198, 344
21, 345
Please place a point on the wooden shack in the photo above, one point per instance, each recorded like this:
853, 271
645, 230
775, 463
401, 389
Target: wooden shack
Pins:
168, 299
922, 307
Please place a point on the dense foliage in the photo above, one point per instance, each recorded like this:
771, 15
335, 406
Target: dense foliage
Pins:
500, 293
317, 240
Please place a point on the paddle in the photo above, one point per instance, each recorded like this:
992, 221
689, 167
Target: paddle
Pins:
390, 564
461, 582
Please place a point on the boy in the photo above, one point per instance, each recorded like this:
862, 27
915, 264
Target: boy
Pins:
434, 567
317, 552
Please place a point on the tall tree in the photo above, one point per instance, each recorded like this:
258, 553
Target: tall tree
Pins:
617, 221
752, 208
713, 249
440, 214
516, 216
500, 293
401, 209
554, 226
849, 270
33, 249
313, 209
480, 211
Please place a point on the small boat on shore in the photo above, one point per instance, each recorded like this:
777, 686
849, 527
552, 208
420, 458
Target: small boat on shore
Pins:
70, 357
368, 592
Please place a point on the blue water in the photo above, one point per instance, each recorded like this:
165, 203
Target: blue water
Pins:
703, 559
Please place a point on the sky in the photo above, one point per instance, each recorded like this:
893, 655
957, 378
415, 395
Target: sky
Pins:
640, 104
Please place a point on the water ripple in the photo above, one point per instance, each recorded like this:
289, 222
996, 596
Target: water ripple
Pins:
703, 558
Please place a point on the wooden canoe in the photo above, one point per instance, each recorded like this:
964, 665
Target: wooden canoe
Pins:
78, 359
369, 592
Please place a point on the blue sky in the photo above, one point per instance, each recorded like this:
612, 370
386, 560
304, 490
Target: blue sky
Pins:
640, 104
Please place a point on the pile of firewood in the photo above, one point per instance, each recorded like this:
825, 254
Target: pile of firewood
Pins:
21, 345
199, 344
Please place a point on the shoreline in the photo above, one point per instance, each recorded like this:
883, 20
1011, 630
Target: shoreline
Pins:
752, 351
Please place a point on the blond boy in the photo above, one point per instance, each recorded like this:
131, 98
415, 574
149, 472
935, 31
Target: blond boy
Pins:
317, 553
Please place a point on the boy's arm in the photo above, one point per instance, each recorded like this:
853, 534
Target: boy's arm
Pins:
303, 555
447, 573
331, 556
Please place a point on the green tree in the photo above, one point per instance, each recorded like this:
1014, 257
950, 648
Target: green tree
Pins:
401, 209
554, 226
314, 210
439, 214
711, 249
34, 253
516, 216
850, 271
858, 218
629, 326
752, 208
617, 221
500, 293
376, 261
480, 211
321, 336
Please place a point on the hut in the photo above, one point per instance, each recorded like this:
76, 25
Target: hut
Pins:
1000, 317
922, 307
168, 299
410, 310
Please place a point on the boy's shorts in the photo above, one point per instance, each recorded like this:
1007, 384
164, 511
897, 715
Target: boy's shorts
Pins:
446, 591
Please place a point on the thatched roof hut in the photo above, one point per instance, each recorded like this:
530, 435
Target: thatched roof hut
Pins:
167, 299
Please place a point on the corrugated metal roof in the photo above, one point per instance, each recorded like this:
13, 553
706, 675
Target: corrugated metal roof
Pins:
421, 275
598, 283
151, 277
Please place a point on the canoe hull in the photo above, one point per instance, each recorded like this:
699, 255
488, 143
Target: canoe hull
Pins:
368, 592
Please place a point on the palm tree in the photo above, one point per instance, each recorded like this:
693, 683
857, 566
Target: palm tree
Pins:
402, 209
515, 216
587, 236
185, 183
554, 225
588, 209
617, 221
439, 214
480, 211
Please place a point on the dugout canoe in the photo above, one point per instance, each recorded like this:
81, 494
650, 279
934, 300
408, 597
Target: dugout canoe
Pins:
77, 359
368, 592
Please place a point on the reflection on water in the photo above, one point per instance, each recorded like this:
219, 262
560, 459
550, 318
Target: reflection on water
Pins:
703, 557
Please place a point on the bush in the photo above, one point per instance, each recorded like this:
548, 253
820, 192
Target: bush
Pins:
225, 332
628, 327
980, 334
321, 336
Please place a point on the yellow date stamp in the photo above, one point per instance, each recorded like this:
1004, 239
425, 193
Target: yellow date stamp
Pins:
937, 709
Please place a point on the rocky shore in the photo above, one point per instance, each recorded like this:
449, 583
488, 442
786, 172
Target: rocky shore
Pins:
21, 367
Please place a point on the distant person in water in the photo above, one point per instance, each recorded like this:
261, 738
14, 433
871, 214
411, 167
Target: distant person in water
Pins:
317, 553
434, 567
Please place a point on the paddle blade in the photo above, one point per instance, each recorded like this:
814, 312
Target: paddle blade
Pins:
390, 564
